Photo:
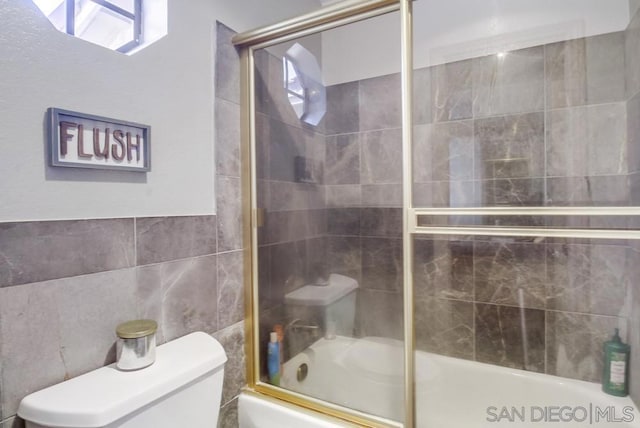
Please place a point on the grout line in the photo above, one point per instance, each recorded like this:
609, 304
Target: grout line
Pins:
135, 241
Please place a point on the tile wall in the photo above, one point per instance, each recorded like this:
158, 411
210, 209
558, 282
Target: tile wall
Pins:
543, 126
540, 126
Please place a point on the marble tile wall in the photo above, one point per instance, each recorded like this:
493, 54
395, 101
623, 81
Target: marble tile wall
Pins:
560, 299
65, 285
547, 125
229, 316
175, 274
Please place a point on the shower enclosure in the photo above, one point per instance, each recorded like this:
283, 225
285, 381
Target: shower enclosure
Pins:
438, 188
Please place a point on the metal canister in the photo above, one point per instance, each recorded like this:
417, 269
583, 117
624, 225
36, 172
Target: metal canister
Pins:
136, 346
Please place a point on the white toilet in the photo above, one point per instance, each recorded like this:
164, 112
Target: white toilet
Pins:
182, 388
336, 302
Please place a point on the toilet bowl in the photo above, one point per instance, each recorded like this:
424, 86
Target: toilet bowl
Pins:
183, 388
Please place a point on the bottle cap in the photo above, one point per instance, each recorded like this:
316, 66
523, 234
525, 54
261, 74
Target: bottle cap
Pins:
616, 336
273, 337
280, 330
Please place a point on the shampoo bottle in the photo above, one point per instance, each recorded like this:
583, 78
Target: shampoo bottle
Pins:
615, 379
273, 359
279, 329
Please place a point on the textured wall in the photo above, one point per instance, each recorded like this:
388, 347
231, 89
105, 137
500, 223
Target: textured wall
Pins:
42, 68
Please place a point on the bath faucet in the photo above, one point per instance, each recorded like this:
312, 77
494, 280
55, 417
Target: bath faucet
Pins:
295, 326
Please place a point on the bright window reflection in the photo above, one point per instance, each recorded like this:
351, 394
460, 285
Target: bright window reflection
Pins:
113, 24
303, 83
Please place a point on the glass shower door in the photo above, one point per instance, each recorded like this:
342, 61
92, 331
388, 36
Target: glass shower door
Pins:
526, 208
328, 189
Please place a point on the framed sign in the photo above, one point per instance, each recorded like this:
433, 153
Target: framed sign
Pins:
79, 140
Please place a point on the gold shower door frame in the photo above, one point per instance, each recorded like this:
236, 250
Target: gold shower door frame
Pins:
340, 14
326, 18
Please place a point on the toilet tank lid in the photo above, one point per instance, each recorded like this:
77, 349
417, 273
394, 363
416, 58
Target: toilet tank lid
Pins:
105, 395
322, 295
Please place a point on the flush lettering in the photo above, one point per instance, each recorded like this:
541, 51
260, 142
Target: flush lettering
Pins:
85, 141
116, 143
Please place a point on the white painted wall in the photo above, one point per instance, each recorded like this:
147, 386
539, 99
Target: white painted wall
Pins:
168, 86
450, 30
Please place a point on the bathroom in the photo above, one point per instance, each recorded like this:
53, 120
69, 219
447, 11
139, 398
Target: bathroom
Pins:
523, 117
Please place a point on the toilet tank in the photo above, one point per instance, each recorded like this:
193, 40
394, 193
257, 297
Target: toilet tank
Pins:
336, 301
182, 388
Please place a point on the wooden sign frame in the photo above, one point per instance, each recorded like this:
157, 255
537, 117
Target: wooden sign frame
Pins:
79, 140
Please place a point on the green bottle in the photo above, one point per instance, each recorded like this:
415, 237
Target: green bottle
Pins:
615, 378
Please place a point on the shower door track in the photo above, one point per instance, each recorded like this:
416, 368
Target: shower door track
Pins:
521, 231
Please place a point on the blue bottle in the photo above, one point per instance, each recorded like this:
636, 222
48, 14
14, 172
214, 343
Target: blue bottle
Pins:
273, 359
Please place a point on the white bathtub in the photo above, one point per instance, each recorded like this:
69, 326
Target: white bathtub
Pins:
366, 374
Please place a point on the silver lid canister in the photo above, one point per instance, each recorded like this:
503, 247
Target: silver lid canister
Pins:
136, 345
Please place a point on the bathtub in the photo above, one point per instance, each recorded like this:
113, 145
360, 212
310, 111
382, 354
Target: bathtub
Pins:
367, 375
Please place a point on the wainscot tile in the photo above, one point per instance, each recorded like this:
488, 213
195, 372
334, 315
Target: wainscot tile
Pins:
161, 239
55, 330
229, 415
230, 288
187, 293
14, 422
43, 250
232, 340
